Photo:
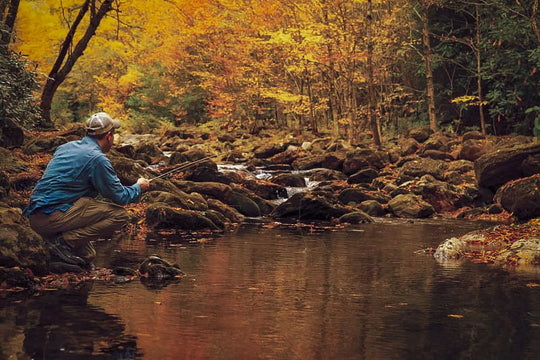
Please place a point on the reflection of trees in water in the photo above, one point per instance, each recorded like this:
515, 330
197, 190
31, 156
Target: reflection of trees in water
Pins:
61, 325
494, 325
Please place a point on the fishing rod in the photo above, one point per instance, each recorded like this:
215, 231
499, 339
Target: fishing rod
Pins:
183, 167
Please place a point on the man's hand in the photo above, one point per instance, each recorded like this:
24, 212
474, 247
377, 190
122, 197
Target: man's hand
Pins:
144, 183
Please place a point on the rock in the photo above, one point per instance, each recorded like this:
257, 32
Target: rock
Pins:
228, 211
328, 161
288, 180
266, 190
497, 168
244, 205
423, 166
45, 144
521, 197
308, 206
475, 135
364, 158
442, 196
148, 152
364, 176
472, 149
162, 216
226, 138
354, 195
128, 171
410, 206
452, 248
19, 244
326, 175
268, 150
265, 206
526, 251
531, 165
179, 199
215, 190
420, 134
438, 142
4, 185
206, 171
437, 155
356, 217
286, 157
372, 208
408, 146
17, 277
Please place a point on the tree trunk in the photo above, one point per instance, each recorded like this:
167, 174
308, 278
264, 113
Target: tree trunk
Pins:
63, 66
429, 72
371, 86
8, 21
479, 74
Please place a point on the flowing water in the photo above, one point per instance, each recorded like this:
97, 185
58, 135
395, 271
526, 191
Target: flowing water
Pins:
363, 292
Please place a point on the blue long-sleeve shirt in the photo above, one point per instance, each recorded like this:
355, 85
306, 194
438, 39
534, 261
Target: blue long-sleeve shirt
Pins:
79, 168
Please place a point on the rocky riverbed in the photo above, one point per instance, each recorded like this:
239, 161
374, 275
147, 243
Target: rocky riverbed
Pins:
418, 176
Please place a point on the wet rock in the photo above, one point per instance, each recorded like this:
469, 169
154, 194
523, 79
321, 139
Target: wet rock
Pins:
410, 206
215, 190
521, 197
523, 251
128, 171
162, 216
45, 144
372, 208
289, 180
355, 196
228, 211
356, 217
206, 171
441, 195
156, 268
452, 248
149, 153
16, 277
497, 168
364, 176
266, 190
309, 206
326, 175
19, 244
244, 205
179, 199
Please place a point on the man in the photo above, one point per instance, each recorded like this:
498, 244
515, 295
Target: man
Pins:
62, 207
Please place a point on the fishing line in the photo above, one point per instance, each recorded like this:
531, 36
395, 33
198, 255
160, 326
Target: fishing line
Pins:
183, 167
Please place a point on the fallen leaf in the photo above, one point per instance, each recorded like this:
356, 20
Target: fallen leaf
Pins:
531, 285
455, 316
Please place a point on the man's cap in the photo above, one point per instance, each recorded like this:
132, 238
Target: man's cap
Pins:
101, 123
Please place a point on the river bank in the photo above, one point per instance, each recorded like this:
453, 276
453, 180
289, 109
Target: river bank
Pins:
422, 175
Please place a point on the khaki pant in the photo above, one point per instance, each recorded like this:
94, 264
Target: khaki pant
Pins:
88, 219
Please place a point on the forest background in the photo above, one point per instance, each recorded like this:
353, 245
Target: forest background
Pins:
351, 68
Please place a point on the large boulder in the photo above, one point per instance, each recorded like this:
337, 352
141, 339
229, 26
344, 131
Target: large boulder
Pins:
19, 244
331, 161
214, 190
163, 216
309, 206
521, 197
497, 168
269, 150
179, 199
364, 158
410, 206
289, 180
228, 211
422, 166
420, 134
356, 217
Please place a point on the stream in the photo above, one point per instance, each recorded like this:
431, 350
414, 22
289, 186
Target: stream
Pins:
284, 292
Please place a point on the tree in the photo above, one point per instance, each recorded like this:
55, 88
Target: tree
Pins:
8, 14
68, 55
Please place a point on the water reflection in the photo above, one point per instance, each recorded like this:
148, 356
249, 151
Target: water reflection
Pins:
62, 325
293, 293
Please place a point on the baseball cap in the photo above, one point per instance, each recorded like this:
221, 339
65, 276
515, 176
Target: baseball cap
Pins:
100, 123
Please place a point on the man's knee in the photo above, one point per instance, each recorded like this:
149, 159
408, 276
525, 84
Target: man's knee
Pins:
119, 215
